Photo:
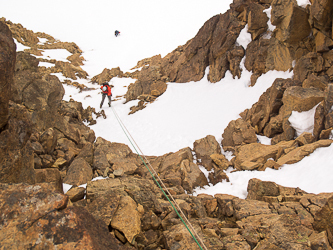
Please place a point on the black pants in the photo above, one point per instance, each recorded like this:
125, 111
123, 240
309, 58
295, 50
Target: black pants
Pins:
103, 97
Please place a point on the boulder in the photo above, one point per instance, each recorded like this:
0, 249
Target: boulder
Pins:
127, 165
279, 56
193, 176
204, 148
7, 64
220, 161
76, 193
235, 56
323, 42
301, 99
271, 192
314, 81
87, 153
311, 63
217, 176
78, 173
323, 220
127, 213
106, 153
254, 155
305, 138
257, 20
104, 207
299, 153
101, 188
256, 55
291, 21
320, 240
237, 133
321, 16
236, 242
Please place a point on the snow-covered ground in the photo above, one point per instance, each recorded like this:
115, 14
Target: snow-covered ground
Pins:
185, 112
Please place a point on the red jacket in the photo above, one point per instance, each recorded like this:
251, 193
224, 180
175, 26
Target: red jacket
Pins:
108, 91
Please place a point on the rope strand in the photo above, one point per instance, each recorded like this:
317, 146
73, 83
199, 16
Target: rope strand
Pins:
151, 169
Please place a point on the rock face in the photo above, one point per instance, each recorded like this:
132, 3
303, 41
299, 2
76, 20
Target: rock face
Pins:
7, 64
36, 216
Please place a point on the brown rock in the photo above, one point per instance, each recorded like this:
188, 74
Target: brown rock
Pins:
50, 175
254, 155
315, 82
76, 193
257, 20
87, 153
16, 154
78, 173
257, 189
323, 43
291, 21
193, 176
7, 64
299, 153
321, 16
238, 133
127, 214
107, 75
225, 204
319, 241
256, 55
37, 148
305, 138
217, 176
279, 56
106, 153
178, 236
220, 161
236, 242
325, 134
100, 188
263, 114
284, 231
104, 207
48, 140
204, 148
300, 99
127, 165
308, 64
324, 219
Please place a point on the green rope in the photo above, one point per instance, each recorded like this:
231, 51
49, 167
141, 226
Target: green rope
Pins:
118, 119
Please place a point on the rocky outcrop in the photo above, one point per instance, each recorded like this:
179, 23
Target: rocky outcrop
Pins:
71, 69
7, 65
37, 216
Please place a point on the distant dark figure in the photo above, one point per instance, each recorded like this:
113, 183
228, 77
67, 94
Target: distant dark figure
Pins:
106, 91
116, 33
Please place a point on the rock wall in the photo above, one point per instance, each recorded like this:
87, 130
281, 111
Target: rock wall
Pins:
7, 64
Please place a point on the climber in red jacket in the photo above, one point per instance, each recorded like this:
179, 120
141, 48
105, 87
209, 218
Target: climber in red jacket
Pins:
106, 91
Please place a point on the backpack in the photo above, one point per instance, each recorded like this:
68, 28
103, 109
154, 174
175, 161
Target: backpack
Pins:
105, 88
